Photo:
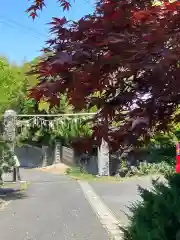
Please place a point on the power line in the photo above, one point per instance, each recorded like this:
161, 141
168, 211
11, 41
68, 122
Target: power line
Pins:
22, 26
9, 22
10, 25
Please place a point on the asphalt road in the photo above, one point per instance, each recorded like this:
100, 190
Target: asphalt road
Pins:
119, 196
54, 207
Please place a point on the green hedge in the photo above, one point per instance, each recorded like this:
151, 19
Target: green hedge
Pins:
157, 215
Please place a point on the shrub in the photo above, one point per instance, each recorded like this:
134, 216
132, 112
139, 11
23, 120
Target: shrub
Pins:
145, 168
166, 154
157, 216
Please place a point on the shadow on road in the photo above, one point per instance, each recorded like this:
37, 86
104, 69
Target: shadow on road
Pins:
8, 194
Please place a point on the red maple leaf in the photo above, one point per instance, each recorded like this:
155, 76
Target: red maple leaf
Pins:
122, 52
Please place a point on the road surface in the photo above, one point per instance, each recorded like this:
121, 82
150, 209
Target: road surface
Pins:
119, 196
54, 208
58, 208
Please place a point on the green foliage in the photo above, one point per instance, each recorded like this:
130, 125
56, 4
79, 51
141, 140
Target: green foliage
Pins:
66, 132
162, 152
12, 85
162, 146
15, 85
27, 106
157, 216
72, 129
36, 136
64, 106
124, 170
6, 158
151, 168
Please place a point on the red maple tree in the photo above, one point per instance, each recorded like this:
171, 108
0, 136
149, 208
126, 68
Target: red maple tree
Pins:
128, 52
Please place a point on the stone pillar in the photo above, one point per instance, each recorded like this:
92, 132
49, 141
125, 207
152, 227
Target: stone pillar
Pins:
44, 154
10, 118
103, 159
57, 153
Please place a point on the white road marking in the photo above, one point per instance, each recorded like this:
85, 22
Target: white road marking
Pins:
104, 214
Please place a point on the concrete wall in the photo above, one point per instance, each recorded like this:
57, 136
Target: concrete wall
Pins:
68, 156
92, 165
32, 156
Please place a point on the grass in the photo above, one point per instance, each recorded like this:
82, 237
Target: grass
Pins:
76, 174
24, 185
20, 185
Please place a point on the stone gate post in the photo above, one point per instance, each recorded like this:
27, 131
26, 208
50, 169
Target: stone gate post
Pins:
9, 134
57, 152
103, 159
44, 154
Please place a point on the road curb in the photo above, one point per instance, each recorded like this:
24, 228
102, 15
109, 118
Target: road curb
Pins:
105, 215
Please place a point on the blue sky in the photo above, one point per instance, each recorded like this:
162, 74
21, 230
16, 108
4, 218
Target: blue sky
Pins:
21, 38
